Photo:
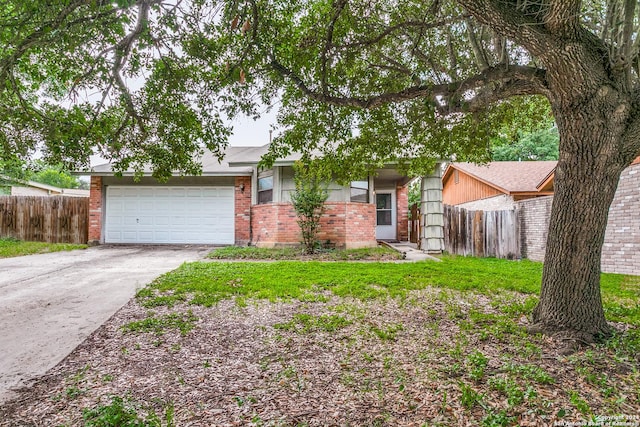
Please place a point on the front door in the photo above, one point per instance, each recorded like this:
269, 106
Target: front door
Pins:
385, 215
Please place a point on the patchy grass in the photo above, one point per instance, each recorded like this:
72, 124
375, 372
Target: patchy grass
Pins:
12, 247
183, 322
442, 344
305, 323
253, 253
125, 412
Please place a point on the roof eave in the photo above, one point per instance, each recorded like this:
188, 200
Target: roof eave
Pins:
547, 179
531, 193
239, 173
484, 181
254, 163
33, 184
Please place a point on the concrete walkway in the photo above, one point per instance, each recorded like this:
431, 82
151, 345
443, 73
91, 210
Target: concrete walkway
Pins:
411, 251
50, 303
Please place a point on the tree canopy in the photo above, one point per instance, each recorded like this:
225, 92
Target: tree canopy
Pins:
39, 171
150, 81
57, 177
539, 145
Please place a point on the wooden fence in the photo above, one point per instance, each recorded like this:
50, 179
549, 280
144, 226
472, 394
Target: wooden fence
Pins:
414, 225
482, 233
54, 219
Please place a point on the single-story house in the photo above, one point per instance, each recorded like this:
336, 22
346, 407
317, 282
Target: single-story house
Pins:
496, 185
16, 187
235, 202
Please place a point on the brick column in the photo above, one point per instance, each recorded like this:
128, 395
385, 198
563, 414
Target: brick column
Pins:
402, 213
242, 210
95, 211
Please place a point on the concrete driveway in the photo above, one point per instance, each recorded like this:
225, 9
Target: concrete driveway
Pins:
50, 303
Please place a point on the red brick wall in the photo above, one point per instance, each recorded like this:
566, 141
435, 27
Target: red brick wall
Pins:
243, 210
95, 210
274, 224
360, 225
349, 225
402, 210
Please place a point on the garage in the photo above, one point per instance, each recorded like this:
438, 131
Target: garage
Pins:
169, 214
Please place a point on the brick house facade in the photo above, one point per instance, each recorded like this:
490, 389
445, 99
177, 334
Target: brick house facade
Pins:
402, 209
242, 210
345, 223
534, 223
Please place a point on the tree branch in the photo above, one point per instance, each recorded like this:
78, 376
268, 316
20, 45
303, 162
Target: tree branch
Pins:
401, 27
489, 86
328, 42
627, 41
36, 36
504, 17
121, 55
481, 59
562, 17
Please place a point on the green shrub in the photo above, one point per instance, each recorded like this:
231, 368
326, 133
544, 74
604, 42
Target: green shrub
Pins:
308, 201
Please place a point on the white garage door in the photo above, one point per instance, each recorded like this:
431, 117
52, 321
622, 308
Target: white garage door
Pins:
136, 214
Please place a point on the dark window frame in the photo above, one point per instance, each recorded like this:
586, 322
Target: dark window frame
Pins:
265, 195
354, 198
384, 215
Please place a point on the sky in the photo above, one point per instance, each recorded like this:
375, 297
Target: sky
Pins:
249, 132
246, 132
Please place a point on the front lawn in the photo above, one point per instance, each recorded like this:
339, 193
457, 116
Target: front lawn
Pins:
208, 283
359, 344
12, 247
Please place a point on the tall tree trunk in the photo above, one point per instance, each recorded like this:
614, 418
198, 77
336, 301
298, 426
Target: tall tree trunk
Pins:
586, 179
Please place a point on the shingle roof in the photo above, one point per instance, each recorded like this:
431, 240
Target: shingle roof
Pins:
236, 161
510, 176
210, 164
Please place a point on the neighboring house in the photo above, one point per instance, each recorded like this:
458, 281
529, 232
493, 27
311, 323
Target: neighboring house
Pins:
494, 188
235, 202
496, 185
17, 187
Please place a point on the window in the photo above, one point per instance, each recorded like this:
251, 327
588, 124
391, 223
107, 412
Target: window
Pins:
265, 189
360, 191
383, 209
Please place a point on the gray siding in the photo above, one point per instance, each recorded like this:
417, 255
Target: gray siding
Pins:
337, 193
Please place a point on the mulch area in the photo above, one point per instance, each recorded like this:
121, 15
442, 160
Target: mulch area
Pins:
395, 362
